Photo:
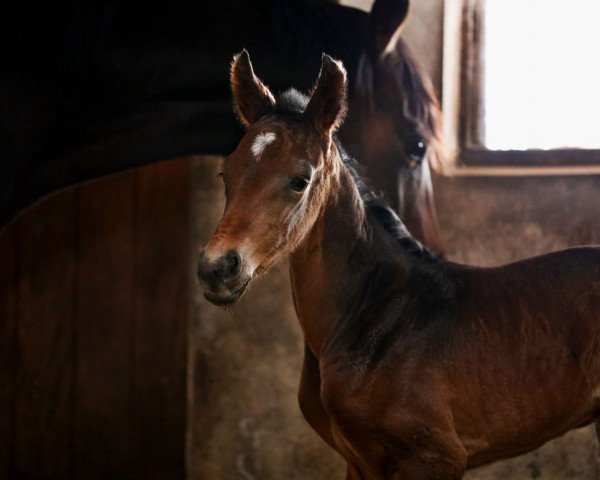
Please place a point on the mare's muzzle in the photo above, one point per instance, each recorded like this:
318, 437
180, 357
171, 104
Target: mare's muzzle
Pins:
222, 278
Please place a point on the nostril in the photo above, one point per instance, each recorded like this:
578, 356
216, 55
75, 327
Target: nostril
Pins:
226, 267
231, 264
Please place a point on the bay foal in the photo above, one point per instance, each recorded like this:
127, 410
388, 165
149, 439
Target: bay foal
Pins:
418, 368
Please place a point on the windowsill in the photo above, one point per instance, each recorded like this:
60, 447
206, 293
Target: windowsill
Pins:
530, 158
559, 162
491, 171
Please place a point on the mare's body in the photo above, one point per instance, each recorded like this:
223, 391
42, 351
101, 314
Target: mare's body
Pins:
415, 368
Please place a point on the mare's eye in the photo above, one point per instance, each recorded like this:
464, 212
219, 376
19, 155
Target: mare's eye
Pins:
415, 149
298, 184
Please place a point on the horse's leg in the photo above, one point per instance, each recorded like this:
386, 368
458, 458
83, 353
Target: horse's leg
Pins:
598, 430
309, 398
427, 466
442, 457
352, 473
420, 469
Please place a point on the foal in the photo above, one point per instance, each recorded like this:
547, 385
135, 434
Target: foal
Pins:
420, 368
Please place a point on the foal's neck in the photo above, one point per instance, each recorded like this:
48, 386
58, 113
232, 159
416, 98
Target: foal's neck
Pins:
331, 265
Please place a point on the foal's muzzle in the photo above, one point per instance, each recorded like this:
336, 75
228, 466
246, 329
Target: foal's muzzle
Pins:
222, 278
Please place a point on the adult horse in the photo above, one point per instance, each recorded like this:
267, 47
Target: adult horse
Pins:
94, 88
424, 368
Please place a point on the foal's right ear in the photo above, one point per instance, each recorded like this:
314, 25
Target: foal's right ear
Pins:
252, 98
327, 105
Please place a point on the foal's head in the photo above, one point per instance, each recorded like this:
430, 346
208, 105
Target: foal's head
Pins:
275, 181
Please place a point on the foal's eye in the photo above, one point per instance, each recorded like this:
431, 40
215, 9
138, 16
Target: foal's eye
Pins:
298, 184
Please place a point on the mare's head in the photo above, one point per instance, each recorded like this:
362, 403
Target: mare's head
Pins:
393, 126
275, 181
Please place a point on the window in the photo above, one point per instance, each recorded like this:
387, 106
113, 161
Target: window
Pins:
529, 82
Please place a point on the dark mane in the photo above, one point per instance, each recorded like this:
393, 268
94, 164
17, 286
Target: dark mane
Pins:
381, 211
419, 102
292, 103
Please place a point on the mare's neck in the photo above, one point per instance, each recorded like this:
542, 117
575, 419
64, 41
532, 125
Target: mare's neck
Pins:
329, 268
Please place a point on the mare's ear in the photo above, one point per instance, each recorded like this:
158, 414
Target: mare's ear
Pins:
252, 98
385, 24
327, 105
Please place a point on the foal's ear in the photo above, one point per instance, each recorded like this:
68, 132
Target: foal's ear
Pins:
327, 106
385, 24
252, 98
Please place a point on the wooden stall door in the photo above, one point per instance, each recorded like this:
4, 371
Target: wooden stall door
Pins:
94, 285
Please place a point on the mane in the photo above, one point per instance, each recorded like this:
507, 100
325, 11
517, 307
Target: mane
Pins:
292, 103
419, 102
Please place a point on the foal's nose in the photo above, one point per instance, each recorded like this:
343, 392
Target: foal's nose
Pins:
226, 267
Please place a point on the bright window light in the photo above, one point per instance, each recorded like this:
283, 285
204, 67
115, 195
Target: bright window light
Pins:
542, 74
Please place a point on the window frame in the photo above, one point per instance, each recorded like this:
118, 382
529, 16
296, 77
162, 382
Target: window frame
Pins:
464, 109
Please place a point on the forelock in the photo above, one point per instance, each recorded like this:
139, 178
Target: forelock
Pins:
291, 102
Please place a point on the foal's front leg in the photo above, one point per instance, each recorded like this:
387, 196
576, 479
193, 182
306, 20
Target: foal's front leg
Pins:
353, 474
396, 454
309, 398
430, 467
413, 469
418, 469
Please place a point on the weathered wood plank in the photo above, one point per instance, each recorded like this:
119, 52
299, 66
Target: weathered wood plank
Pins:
161, 308
8, 319
45, 338
103, 321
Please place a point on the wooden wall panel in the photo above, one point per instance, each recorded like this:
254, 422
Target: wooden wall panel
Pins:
8, 272
161, 310
104, 311
94, 305
45, 338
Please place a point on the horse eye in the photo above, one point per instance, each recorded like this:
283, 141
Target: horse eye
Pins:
415, 149
298, 184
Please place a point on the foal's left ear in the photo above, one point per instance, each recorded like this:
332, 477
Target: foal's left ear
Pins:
253, 99
327, 106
